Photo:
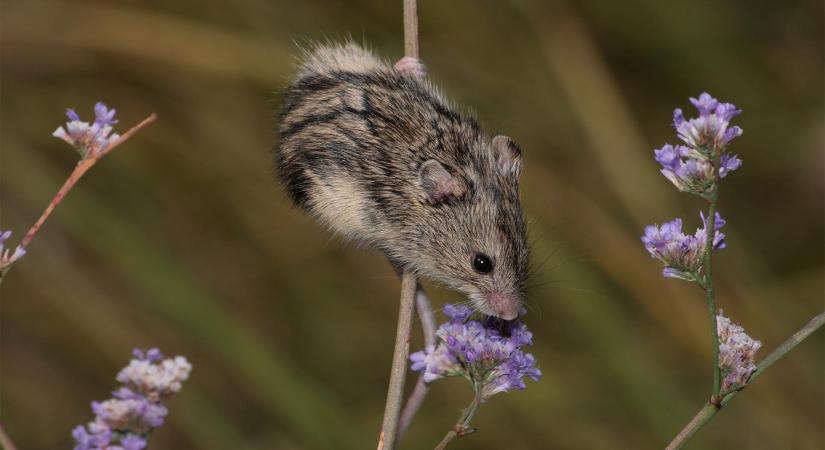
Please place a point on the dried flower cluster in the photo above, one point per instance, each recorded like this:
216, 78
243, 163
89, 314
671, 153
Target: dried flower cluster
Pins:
488, 354
691, 168
125, 421
7, 257
682, 254
737, 352
89, 139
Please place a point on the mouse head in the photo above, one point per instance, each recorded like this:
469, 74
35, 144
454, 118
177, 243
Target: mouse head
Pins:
475, 227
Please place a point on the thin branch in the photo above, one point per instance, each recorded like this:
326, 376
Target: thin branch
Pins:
709, 410
395, 393
411, 28
425, 314
707, 284
462, 427
390, 431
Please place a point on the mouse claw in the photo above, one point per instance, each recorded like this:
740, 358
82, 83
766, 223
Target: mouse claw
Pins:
409, 65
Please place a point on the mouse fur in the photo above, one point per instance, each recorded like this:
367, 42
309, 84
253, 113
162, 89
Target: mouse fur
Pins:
380, 157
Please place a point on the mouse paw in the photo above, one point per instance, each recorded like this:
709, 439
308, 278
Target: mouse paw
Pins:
409, 65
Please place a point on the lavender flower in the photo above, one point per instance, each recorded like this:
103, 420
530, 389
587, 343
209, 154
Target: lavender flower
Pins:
682, 254
6, 258
737, 352
89, 139
489, 355
710, 131
691, 168
125, 421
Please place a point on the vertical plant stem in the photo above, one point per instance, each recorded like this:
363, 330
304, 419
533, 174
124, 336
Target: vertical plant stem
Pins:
709, 410
395, 393
462, 427
425, 314
390, 430
5, 441
411, 28
711, 300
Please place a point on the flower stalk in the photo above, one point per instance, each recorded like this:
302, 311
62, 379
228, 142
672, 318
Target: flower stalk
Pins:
462, 427
707, 284
395, 392
391, 429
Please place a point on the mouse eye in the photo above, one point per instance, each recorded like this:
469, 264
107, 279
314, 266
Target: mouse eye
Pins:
482, 263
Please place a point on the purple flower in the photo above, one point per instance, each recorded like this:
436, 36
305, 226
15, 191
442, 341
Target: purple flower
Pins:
89, 139
728, 163
138, 413
710, 132
457, 313
488, 354
103, 115
151, 355
690, 167
687, 169
132, 442
683, 255
7, 258
93, 436
704, 104
135, 410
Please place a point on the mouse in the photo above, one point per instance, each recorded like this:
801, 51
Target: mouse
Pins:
377, 154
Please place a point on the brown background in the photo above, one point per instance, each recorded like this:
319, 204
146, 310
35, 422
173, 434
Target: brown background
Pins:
181, 238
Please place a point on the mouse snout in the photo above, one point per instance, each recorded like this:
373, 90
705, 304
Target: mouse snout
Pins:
505, 306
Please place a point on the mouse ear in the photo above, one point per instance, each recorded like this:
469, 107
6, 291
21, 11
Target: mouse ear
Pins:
508, 155
439, 185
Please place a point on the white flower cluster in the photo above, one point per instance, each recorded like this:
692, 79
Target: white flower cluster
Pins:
89, 139
155, 381
737, 352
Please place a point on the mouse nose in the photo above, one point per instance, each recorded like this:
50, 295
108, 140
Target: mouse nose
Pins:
504, 306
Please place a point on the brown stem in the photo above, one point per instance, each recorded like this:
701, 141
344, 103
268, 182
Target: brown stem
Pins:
82, 167
395, 392
390, 431
411, 28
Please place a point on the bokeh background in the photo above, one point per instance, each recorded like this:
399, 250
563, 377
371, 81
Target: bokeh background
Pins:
182, 239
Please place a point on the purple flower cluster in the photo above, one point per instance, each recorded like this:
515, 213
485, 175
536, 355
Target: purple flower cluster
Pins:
8, 258
737, 352
89, 139
125, 421
682, 254
690, 167
488, 354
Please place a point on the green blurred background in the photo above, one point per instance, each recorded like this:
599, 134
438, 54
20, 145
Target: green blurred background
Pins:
182, 239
